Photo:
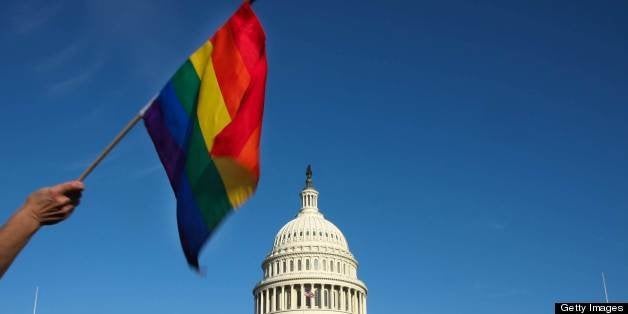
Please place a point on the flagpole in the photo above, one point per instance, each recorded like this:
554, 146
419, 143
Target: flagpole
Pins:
604, 283
115, 141
36, 295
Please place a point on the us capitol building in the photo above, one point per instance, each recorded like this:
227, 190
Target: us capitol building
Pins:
310, 268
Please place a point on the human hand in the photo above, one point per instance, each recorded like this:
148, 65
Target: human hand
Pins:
50, 205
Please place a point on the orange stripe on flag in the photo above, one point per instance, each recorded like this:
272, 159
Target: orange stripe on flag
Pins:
231, 72
249, 156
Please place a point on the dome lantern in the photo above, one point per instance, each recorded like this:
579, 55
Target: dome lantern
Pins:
309, 195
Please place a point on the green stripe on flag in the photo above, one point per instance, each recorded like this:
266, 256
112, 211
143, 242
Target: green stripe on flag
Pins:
186, 85
207, 186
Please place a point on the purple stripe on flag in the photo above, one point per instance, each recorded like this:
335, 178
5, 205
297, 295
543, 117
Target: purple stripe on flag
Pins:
193, 232
171, 156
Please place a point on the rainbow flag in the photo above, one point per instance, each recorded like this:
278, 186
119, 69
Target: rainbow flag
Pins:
205, 125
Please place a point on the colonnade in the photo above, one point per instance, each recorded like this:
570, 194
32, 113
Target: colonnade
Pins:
310, 296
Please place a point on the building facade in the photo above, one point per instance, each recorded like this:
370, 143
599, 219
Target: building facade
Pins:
310, 268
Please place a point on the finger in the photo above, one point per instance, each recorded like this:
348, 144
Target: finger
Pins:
59, 212
54, 219
67, 209
67, 187
75, 195
62, 200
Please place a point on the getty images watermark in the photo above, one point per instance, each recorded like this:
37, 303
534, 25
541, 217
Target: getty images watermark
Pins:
584, 308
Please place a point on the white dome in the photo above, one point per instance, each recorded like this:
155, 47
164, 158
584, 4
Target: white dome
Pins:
310, 268
310, 229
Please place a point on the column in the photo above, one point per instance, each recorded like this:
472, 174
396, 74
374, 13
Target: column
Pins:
271, 302
363, 303
302, 295
289, 289
342, 298
283, 297
352, 295
360, 305
293, 297
350, 300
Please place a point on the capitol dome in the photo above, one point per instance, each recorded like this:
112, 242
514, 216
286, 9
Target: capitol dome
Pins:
310, 268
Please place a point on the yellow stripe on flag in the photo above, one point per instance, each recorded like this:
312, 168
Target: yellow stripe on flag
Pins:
238, 181
200, 57
212, 113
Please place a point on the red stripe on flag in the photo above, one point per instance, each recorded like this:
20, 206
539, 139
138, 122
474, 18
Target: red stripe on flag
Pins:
233, 138
231, 73
248, 36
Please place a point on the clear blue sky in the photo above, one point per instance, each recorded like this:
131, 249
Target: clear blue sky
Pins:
474, 153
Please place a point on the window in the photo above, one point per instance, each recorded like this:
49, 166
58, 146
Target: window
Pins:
307, 264
301, 233
307, 233
299, 265
291, 265
316, 264
331, 265
324, 265
338, 267
344, 268
283, 269
277, 267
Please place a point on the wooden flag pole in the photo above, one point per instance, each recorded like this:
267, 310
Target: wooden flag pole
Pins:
115, 141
